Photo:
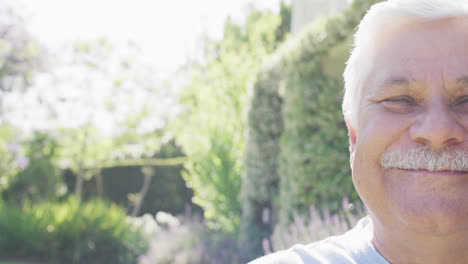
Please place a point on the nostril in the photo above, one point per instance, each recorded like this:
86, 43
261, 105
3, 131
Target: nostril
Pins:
452, 142
437, 126
437, 135
422, 141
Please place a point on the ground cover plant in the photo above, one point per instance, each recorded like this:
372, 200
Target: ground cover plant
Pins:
69, 232
186, 239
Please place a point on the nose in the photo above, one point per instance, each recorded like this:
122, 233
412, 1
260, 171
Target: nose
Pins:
437, 127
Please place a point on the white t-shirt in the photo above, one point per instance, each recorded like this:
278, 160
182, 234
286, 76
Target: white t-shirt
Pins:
353, 247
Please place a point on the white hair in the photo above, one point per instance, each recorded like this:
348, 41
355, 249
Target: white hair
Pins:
380, 20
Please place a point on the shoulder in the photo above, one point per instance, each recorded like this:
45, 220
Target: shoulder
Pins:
329, 250
280, 257
350, 248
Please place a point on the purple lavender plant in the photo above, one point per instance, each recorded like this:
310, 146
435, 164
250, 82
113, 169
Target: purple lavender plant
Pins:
316, 227
190, 241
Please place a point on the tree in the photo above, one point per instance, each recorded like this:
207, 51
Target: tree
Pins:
212, 128
20, 54
20, 58
104, 106
122, 121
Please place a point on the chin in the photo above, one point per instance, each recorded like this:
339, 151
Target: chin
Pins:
444, 222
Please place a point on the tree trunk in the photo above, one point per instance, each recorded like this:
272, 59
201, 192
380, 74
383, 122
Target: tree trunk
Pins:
148, 172
79, 184
99, 186
81, 168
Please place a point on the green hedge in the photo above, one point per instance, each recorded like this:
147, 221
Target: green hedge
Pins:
297, 152
69, 232
314, 160
260, 186
167, 192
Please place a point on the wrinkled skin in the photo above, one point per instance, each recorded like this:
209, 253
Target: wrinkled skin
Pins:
415, 95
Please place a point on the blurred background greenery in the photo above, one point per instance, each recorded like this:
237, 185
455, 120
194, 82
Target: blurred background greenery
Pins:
240, 152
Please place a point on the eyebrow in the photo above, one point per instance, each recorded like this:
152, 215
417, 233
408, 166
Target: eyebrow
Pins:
403, 82
399, 81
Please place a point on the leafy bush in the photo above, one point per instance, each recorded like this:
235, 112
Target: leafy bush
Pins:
215, 97
297, 153
69, 232
40, 179
314, 159
187, 240
260, 185
12, 156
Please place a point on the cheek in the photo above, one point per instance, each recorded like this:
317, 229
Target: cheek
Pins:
463, 121
375, 134
380, 128
377, 131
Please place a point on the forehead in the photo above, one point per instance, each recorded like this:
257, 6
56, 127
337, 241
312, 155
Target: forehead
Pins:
426, 39
426, 50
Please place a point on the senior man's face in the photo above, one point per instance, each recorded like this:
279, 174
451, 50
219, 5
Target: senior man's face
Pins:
410, 161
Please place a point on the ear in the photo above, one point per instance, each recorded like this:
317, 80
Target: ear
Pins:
352, 135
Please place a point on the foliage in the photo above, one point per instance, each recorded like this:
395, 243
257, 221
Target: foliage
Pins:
215, 96
21, 57
167, 191
284, 27
315, 227
40, 179
105, 105
69, 232
114, 123
261, 182
297, 153
314, 162
31, 172
215, 179
12, 155
187, 240
20, 54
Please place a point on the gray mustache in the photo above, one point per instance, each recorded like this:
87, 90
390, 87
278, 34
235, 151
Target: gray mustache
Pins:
424, 158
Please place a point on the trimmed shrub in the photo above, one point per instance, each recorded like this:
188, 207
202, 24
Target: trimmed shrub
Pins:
69, 232
297, 154
261, 183
167, 192
314, 159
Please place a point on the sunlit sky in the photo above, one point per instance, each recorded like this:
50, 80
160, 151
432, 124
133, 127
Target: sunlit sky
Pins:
167, 31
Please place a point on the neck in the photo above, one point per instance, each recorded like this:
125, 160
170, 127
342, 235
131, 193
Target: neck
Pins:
401, 245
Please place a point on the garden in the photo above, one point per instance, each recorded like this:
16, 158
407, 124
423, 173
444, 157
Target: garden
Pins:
241, 153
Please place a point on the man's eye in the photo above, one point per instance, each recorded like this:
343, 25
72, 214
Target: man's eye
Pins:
404, 104
400, 100
461, 100
461, 104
